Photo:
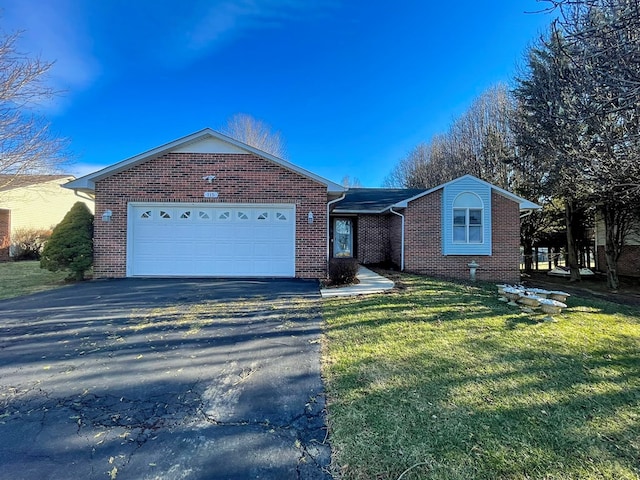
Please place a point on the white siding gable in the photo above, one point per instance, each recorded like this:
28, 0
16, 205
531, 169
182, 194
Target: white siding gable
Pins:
209, 145
450, 192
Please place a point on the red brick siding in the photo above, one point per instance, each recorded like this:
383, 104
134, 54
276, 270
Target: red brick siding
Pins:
373, 239
240, 178
5, 234
628, 264
423, 242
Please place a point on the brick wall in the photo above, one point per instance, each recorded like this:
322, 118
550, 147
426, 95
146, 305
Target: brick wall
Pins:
240, 178
5, 234
423, 242
628, 264
373, 239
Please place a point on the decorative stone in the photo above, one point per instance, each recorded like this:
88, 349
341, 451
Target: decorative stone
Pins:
513, 294
530, 300
539, 292
559, 296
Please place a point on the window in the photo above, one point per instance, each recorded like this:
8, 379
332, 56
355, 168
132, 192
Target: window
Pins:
185, 215
263, 216
164, 214
146, 214
243, 216
467, 218
281, 216
342, 238
203, 215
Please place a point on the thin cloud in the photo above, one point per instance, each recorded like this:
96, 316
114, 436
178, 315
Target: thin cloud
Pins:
225, 21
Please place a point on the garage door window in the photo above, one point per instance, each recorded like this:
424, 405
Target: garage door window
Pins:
146, 214
224, 216
263, 216
243, 216
185, 215
164, 214
203, 215
281, 216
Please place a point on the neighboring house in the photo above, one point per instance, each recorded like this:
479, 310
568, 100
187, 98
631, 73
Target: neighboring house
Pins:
209, 205
33, 202
629, 262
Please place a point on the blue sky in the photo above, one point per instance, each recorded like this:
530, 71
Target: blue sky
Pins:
351, 85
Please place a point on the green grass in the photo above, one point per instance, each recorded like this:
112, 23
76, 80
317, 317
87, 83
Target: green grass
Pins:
446, 379
23, 278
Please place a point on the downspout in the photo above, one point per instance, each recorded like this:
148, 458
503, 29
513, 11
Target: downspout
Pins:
328, 207
401, 238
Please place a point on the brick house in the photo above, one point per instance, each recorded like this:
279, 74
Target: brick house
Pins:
208, 205
629, 261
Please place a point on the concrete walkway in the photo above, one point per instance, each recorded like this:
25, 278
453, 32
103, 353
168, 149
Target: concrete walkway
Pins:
370, 282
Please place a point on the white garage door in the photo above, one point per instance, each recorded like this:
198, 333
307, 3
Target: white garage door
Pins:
211, 240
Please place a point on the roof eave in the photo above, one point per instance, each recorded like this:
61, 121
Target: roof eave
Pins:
522, 202
88, 181
371, 212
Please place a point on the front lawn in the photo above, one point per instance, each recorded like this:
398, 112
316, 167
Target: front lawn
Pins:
443, 381
23, 278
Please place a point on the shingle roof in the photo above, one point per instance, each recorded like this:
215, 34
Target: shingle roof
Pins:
373, 200
11, 182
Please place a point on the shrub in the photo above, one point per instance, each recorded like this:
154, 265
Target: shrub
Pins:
71, 244
343, 271
27, 243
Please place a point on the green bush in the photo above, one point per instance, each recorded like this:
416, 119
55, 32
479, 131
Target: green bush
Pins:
71, 244
343, 271
27, 243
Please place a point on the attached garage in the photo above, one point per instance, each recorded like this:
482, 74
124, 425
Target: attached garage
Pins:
207, 205
198, 239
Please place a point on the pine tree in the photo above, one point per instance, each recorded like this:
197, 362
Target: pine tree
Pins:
71, 244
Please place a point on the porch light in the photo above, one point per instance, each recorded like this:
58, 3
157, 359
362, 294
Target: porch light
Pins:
310, 217
106, 216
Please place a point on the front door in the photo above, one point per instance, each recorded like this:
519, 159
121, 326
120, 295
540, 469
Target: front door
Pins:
342, 237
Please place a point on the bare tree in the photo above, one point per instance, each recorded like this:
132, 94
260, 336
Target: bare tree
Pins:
478, 142
351, 182
27, 145
255, 133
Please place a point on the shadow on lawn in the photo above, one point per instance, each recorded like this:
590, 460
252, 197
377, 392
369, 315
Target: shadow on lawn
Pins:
496, 399
556, 418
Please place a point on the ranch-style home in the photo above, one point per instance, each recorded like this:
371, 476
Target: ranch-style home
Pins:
208, 205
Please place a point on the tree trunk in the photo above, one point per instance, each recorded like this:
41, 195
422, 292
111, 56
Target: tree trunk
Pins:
572, 247
528, 257
615, 226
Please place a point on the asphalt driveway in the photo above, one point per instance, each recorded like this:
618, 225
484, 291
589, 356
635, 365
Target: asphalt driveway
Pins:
163, 379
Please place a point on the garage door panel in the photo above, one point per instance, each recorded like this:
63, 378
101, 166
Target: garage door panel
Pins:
194, 240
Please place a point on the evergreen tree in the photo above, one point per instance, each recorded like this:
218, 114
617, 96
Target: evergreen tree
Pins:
71, 244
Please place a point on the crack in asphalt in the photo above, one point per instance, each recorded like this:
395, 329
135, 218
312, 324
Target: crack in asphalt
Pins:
142, 419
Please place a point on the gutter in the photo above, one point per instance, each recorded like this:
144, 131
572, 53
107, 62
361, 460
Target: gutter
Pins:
328, 239
526, 213
402, 239
78, 193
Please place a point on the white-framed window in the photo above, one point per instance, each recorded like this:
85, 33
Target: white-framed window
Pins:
468, 213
